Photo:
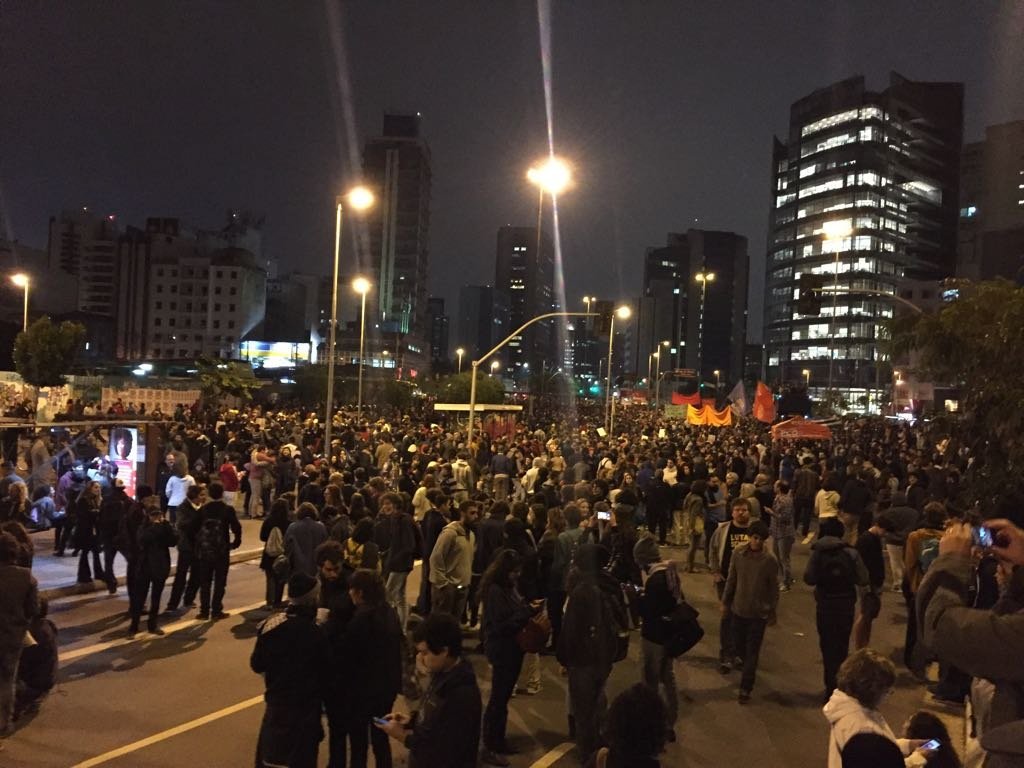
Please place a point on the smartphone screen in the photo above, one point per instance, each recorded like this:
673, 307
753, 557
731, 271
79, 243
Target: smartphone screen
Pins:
982, 536
931, 744
604, 515
385, 721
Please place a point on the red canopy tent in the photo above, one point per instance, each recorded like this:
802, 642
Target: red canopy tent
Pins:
799, 428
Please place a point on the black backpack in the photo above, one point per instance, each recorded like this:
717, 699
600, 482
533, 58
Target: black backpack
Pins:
211, 541
615, 619
836, 572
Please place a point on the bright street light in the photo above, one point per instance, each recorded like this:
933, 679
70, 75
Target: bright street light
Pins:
703, 278
359, 198
22, 281
807, 376
718, 380
495, 365
622, 313
552, 176
460, 352
361, 286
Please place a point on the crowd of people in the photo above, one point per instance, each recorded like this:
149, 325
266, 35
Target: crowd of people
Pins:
555, 540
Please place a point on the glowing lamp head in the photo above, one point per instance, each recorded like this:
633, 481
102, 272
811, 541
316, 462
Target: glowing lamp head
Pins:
495, 365
20, 279
360, 198
806, 372
717, 372
460, 351
553, 176
361, 286
705, 277
623, 313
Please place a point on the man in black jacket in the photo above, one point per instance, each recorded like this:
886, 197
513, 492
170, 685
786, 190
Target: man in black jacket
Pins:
660, 596
291, 654
436, 518
594, 618
215, 522
445, 731
403, 541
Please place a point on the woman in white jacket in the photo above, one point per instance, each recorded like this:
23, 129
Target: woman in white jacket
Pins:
860, 735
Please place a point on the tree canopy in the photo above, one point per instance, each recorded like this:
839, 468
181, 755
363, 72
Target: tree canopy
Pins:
45, 352
218, 379
976, 342
455, 389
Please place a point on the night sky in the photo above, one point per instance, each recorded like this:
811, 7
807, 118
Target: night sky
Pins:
666, 109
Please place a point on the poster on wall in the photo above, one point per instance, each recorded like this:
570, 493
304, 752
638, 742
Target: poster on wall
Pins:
123, 450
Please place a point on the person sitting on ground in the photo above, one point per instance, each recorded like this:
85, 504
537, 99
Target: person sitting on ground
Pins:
925, 725
635, 731
860, 734
37, 670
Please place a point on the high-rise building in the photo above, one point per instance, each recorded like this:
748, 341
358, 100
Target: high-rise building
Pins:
695, 298
84, 244
992, 205
438, 331
483, 319
526, 275
396, 166
865, 193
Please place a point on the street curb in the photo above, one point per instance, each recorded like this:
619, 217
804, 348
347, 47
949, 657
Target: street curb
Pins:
97, 586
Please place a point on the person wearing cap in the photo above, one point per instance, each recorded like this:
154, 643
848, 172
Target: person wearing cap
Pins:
291, 653
750, 598
662, 592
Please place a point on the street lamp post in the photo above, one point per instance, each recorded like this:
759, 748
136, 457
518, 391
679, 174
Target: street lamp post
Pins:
622, 313
703, 278
495, 365
361, 286
586, 334
22, 281
807, 378
460, 352
476, 363
657, 376
718, 382
360, 199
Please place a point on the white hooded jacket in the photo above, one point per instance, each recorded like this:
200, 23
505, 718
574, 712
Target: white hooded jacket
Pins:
848, 717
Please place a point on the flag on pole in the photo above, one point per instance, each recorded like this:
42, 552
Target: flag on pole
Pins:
681, 399
738, 396
764, 404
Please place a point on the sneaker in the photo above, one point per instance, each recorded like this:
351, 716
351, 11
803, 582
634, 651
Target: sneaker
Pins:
132, 631
156, 631
218, 615
725, 667
744, 697
202, 616
783, 587
493, 758
737, 663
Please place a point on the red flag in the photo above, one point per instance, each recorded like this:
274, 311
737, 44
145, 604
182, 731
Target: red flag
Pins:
679, 399
764, 404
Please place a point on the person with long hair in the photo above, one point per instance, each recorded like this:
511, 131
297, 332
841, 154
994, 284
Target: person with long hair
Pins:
505, 613
925, 725
277, 519
87, 515
373, 655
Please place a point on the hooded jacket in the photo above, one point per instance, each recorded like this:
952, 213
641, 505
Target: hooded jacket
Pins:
812, 576
861, 736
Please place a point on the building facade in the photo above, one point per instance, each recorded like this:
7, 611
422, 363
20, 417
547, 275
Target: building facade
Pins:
84, 245
525, 273
991, 238
483, 320
396, 166
693, 307
438, 332
865, 193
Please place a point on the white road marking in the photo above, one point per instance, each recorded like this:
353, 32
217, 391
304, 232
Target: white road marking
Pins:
66, 657
135, 746
554, 755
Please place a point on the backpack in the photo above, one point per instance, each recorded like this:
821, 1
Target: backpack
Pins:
836, 572
275, 543
929, 551
211, 543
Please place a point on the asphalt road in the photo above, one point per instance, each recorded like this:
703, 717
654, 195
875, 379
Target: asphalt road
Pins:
189, 698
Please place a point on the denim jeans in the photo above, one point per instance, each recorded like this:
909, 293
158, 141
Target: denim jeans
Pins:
396, 595
589, 704
749, 634
659, 674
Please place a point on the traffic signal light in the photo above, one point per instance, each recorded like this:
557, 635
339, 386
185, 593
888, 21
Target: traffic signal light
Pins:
809, 302
603, 321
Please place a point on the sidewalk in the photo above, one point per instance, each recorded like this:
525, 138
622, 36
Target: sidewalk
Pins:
57, 576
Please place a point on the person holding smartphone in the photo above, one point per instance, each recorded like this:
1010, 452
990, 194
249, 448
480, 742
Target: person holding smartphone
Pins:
955, 632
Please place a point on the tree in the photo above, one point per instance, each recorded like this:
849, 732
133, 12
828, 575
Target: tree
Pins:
397, 394
975, 342
219, 379
44, 353
455, 389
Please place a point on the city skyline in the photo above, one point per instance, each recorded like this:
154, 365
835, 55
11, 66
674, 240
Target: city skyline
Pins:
196, 114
